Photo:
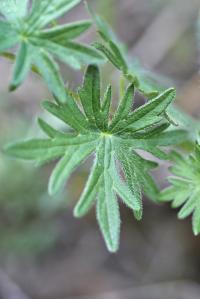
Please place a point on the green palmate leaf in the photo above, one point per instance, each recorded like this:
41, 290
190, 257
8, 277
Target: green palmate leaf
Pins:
113, 141
184, 189
39, 45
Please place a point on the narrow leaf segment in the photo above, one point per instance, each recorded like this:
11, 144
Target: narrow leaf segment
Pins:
184, 189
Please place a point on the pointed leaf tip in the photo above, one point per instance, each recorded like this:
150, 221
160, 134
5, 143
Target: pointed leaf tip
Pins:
12, 87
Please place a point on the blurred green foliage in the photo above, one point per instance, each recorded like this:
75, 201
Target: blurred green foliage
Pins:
27, 225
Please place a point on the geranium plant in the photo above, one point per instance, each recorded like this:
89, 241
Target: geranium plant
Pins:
116, 141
